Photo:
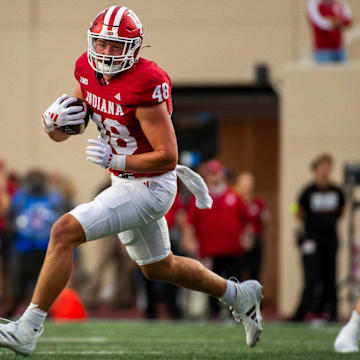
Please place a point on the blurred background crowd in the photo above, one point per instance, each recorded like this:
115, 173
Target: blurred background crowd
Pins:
228, 238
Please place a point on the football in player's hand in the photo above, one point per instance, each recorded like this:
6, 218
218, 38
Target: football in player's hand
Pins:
77, 129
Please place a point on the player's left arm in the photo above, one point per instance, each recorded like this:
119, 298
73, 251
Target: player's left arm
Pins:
157, 126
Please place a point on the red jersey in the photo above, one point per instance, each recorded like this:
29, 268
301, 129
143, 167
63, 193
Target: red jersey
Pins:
176, 206
257, 212
113, 105
219, 229
326, 35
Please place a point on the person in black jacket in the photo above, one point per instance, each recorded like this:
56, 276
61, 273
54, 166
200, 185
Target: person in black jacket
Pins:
320, 206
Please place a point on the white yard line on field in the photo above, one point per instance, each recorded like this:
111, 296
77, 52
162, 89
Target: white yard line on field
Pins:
101, 352
73, 340
144, 340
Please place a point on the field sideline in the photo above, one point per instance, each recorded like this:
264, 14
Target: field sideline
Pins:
183, 340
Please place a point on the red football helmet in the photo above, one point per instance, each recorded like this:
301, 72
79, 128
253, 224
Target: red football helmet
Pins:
116, 23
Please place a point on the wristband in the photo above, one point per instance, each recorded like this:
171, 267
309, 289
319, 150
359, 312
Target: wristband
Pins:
118, 162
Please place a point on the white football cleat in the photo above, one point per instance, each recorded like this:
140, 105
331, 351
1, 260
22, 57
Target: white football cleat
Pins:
22, 340
246, 309
347, 340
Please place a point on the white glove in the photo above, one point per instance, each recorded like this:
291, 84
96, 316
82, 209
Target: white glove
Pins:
100, 153
59, 114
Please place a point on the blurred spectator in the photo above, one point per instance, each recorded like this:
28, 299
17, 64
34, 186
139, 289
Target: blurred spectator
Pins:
218, 233
328, 19
12, 182
245, 187
112, 280
8, 185
65, 187
111, 284
175, 219
34, 209
111, 258
320, 206
62, 184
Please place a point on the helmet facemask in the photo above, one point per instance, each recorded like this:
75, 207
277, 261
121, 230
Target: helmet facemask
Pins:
113, 64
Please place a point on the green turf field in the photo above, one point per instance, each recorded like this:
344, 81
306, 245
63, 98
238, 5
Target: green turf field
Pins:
183, 340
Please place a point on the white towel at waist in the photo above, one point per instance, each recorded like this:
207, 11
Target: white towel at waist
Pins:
196, 185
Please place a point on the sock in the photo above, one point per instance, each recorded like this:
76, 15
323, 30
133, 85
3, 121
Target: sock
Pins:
355, 320
33, 317
230, 293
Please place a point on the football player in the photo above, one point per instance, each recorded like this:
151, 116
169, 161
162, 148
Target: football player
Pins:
130, 101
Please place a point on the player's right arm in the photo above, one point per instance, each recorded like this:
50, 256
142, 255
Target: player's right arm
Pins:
59, 114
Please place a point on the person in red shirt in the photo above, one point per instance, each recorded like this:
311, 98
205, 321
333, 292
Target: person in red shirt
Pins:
175, 215
328, 19
218, 233
256, 208
130, 101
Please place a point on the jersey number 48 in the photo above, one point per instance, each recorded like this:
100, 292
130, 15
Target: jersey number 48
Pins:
161, 92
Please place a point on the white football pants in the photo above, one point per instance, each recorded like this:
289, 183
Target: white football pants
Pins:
134, 209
